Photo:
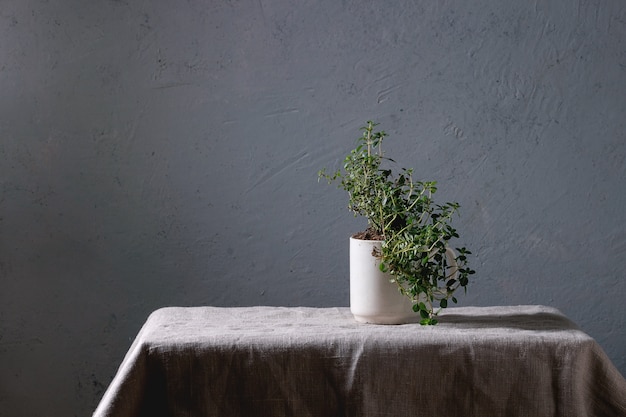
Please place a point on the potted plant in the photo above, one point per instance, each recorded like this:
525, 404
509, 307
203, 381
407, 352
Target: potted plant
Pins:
407, 261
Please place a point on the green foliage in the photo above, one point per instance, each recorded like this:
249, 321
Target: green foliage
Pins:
415, 230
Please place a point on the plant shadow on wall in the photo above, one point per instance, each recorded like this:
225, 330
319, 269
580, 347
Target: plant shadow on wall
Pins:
410, 232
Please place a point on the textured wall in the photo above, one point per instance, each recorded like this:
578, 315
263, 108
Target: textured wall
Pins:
165, 153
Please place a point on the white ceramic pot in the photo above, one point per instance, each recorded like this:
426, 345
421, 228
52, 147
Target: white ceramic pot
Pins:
373, 297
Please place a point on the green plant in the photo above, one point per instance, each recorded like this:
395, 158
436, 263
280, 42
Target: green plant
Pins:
414, 229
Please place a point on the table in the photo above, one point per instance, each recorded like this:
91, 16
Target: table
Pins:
278, 361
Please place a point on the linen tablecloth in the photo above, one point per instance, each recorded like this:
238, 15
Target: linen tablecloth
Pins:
277, 361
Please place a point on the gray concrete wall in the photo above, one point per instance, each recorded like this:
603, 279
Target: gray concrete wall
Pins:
165, 153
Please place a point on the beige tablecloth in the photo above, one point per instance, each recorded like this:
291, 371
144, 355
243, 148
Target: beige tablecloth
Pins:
271, 361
